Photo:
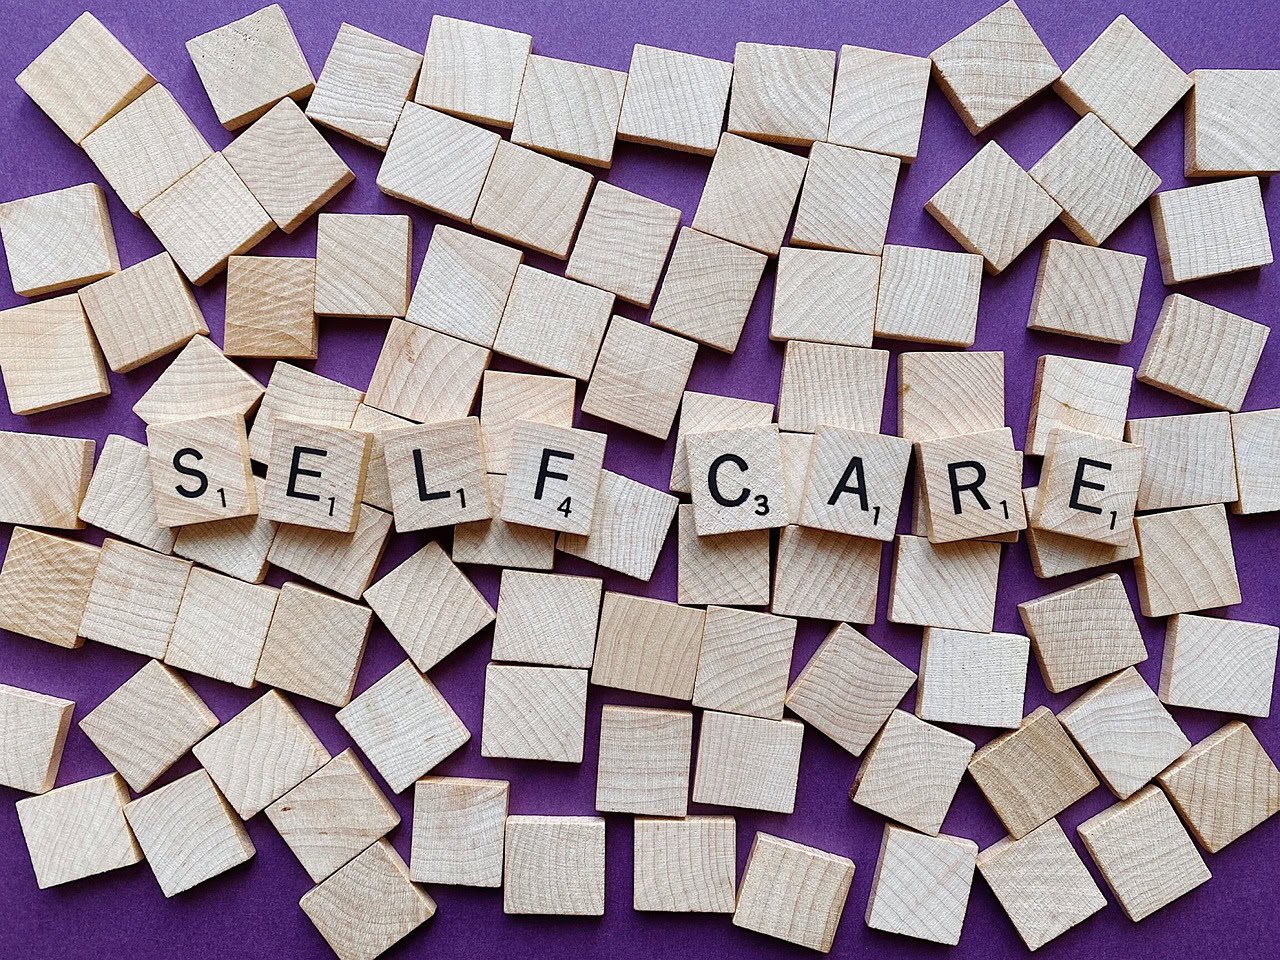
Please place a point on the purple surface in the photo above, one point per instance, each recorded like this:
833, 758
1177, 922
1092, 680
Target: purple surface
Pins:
252, 911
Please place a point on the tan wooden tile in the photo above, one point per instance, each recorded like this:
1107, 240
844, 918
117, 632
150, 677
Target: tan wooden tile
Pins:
437, 161
202, 382
553, 322
1224, 665
315, 475
569, 110
841, 386
648, 646
60, 366
426, 376
623, 243
639, 377
629, 526
971, 485
928, 295
458, 830
554, 865
1053, 554
977, 679
708, 412
221, 627
674, 100
1185, 561
341, 562
1088, 487
946, 393
1187, 460
750, 193
508, 397
1225, 132
854, 482
44, 479
736, 479
534, 713
797, 450
200, 470
270, 308
1210, 230
1082, 395
34, 733
498, 543
134, 599
730, 568
781, 94
951, 585
58, 240
708, 289
547, 618
362, 264
793, 892
684, 866
363, 86
473, 70
437, 474
1087, 292
845, 201
825, 295
121, 496
463, 285
643, 765
314, 645
533, 200
237, 547
879, 101
44, 586
744, 663
828, 576
78, 831
921, 884
748, 762
554, 477
1255, 438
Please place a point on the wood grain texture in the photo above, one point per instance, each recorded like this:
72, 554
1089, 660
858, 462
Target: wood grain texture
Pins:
362, 264
1185, 561
507, 397
825, 295
1187, 460
565, 503
971, 485
623, 243
977, 679
823, 383
731, 569
748, 762
363, 86
930, 296
458, 830
44, 479
463, 286
781, 94
736, 480
708, 412
945, 393
202, 382
44, 586
58, 240
48, 356
878, 102
216, 447
921, 885
569, 110
553, 322
1087, 292
341, 562
1224, 665
629, 526
639, 377
643, 765
237, 547
437, 474
78, 831
750, 193
1054, 554
845, 201
534, 713
426, 376
473, 70
863, 473
32, 738
221, 626
648, 646
744, 663
828, 576
674, 100
684, 866
793, 892
532, 200
708, 289
1256, 441
1210, 229
554, 865
950, 585
498, 543
315, 475
314, 645
270, 308
437, 161
1083, 395
134, 598
1098, 508
1231, 127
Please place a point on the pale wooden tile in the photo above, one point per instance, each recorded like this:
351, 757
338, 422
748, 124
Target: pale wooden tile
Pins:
34, 733
547, 618
363, 86
58, 240
730, 569
643, 765
362, 264
437, 161
44, 586
946, 393
793, 892
44, 479
1053, 554
508, 397
744, 663
554, 477
828, 576
60, 366
1083, 395
1185, 561
977, 679
533, 200
736, 480
133, 602
639, 377
458, 830
780, 93
1210, 230
950, 585
237, 547
854, 482
708, 289
437, 474
498, 543
314, 645
426, 376
341, 562
684, 866
569, 110
921, 884
748, 762
1224, 665
623, 243
78, 831
1187, 460
930, 296
750, 193
1226, 133
822, 383
878, 102
845, 201
1087, 292
473, 70
270, 310
709, 412
825, 295
121, 496
648, 646
1255, 438
629, 526
554, 865
315, 475
202, 382
674, 100
797, 450
971, 485
200, 470
1088, 487
463, 285
553, 322
220, 627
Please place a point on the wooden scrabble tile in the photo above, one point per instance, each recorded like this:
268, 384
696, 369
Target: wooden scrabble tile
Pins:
547, 618
1203, 353
629, 527
249, 64
48, 356
1226, 134
369, 905
879, 101
750, 193
188, 832
643, 765
33, 734
781, 94
1143, 853
1185, 561
403, 725
1087, 292
1082, 395
793, 892
463, 286
148, 724
828, 576
1041, 882
569, 110
269, 310
554, 865
78, 831
993, 207
729, 568
473, 70
508, 397
43, 479
684, 866
930, 296
1213, 664
298, 395
845, 202
993, 67
44, 586
314, 645
1096, 179
287, 165
533, 200
200, 470
823, 383
363, 86
1255, 438
854, 482
221, 627
237, 547
1187, 460
553, 322
623, 243
1031, 774
1053, 554
946, 393
377, 423
921, 884
202, 382
674, 100
1126, 733
797, 450
1224, 786
426, 376
825, 295
58, 240
848, 688
1210, 229
498, 543
972, 485
744, 663
146, 148
911, 772
437, 161
708, 289
133, 602
978, 679
341, 562
1125, 80
647, 645
362, 264
736, 479
709, 412
553, 477
333, 815
1088, 487
950, 585
748, 762
458, 830
315, 475
639, 377
437, 474
84, 77
121, 496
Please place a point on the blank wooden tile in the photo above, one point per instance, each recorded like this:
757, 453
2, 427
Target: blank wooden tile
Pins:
708, 289
202, 382
553, 477
78, 831
1088, 487
623, 243
221, 627
315, 475
121, 495
674, 100
188, 832
639, 377
554, 865
437, 161
845, 202
58, 366
993, 67
533, 200
911, 772
828, 576
797, 450
928, 295
949, 585
793, 892
200, 470
237, 547
1041, 882
369, 905
341, 562
780, 93
458, 830
498, 543
403, 725
629, 526
84, 77
1185, 561
1082, 395
57, 240
34, 733
1143, 853
569, 110
854, 482
429, 606
1087, 292
1210, 230
945, 393
750, 193
553, 322
333, 815
744, 663
921, 884
971, 485
148, 723
249, 64
44, 478
362, 264
1053, 554
841, 386
363, 86
425, 376
825, 295
1224, 665
879, 101
1187, 460
508, 397
547, 619
473, 70
1031, 774
1256, 440
44, 586
748, 762
730, 568
269, 310
1203, 353
978, 679
314, 645
684, 866
463, 285
1225, 132
437, 474
648, 646
643, 765
134, 599
736, 479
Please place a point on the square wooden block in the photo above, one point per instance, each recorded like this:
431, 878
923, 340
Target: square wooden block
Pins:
534, 713
202, 382
674, 100
972, 485
921, 885
437, 161
341, 562
426, 376
314, 645
978, 679
684, 866
569, 110
708, 289
781, 94
221, 627
533, 200
951, 585
44, 586
1088, 487
629, 526
1087, 292
270, 307
623, 243
237, 547
553, 322
648, 646
554, 865
32, 737
134, 599
730, 569
78, 831
148, 724
498, 543
463, 285
845, 202
43, 479
363, 86
458, 829
1187, 460
1083, 632
825, 295
58, 367
706, 413
362, 264
911, 772
1256, 440
748, 762
828, 576
437, 474
793, 892
797, 450
188, 832
639, 377
928, 295
744, 663
1185, 561
643, 763
429, 606
736, 479
1143, 853
200, 470
121, 495
84, 77
506, 398
403, 725
249, 64
553, 477
295, 394
854, 482
945, 393
993, 67
1082, 395
1214, 664
473, 70
878, 103
58, 240
315, 475
1031, 774
1225, 133
1053, 554
750, 193
823, 383
1210, 229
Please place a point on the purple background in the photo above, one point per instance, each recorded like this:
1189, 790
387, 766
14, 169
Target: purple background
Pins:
252, 911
